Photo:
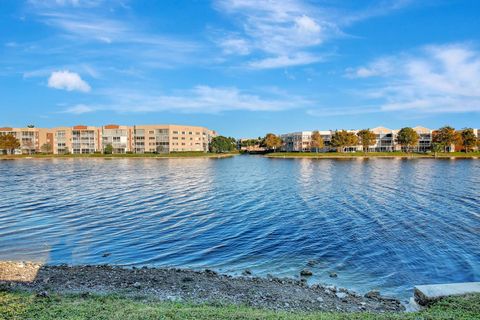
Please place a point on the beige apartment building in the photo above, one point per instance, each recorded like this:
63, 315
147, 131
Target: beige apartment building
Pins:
170, 138
31, 139
123, 139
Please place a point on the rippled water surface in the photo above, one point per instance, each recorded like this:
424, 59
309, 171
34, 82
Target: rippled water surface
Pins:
383, 224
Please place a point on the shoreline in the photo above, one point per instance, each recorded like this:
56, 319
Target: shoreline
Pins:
308, 155
119, 156
189, 286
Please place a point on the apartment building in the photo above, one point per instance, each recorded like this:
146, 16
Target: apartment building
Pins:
119, 137
386, 140
123, 139
85, 140
301, 141
171, 138
31, 139
425, 138
297, 141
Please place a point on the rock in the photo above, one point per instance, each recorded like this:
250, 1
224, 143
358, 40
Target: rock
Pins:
373, 294
187, 279
319, 299
311, 263
247, 272
137, 285
341, 295
331, 288
210, 272
306, 273
333, 275
106, 254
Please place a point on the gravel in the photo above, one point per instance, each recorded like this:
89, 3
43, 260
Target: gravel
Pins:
170, 284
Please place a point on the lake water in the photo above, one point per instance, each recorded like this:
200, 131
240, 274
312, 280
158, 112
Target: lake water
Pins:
383, 224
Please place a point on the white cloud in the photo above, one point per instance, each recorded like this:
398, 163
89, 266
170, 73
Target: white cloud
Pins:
234, 45
306, 25
379, 67
65, 3
200, 99
285, 61
434, 79
66, 80
285, 30
87, 26
79, 109
116, 37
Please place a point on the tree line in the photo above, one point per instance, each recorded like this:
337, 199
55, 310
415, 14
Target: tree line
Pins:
442, 140
408, 138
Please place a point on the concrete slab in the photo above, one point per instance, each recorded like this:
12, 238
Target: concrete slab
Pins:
426, 294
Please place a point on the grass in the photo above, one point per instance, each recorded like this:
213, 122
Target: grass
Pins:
371, 154
192, 154
22, 305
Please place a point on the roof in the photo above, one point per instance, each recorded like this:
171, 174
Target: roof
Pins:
381, 130
420, 129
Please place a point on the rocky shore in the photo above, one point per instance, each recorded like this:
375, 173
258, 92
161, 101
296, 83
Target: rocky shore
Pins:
169, 284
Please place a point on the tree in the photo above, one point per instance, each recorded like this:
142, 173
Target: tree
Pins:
445, 136
108, 149
469, 140
317, 141
436, 148
9, 143
367, 138
250, 143
221, 144
408, 138
46, 148
272, 142
342, 139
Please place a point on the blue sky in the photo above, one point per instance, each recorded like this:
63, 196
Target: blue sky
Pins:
242, 67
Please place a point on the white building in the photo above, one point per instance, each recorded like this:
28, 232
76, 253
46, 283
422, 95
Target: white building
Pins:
386, 140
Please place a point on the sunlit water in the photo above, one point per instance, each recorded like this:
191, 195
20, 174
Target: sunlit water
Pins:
383, 224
